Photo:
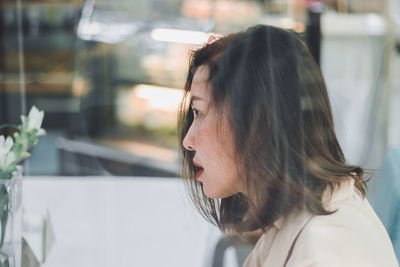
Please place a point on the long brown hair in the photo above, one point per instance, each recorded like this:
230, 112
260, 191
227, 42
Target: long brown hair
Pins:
282, 126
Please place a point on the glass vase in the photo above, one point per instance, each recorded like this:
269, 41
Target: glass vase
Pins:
11, 220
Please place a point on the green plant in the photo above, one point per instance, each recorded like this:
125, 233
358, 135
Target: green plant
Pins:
13, 150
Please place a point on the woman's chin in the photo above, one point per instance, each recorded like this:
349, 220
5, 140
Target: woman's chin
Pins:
217, 194
210, 193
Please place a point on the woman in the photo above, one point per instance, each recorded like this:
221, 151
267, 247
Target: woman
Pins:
260, 153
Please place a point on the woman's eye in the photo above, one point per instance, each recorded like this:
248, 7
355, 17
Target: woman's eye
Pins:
195, 112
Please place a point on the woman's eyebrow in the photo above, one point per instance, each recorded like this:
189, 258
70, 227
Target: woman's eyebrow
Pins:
195, 97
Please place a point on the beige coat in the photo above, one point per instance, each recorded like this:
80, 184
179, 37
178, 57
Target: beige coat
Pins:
351, 237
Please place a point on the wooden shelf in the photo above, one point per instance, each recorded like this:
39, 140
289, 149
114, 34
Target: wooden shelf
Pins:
37, 88
28, 4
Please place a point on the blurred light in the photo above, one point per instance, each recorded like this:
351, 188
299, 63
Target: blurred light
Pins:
353, 24
89, 29
376, 24
80, 86
159, 97
179, 36
150, 107
289, 23
109, 33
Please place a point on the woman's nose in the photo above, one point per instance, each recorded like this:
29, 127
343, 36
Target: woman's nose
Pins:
188, 141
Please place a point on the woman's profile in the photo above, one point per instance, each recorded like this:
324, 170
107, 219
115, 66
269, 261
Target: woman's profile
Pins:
260, 153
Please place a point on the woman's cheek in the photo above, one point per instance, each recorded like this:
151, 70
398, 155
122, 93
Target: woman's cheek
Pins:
203, 137
203, 128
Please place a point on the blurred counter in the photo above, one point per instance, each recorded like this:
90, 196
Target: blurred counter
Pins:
113, 221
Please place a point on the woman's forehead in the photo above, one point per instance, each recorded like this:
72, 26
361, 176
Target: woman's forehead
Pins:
199, 83
201, 75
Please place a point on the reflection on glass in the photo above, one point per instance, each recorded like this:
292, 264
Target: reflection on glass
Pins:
109, 74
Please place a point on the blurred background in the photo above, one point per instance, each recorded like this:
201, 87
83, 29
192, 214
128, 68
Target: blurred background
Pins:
109, 75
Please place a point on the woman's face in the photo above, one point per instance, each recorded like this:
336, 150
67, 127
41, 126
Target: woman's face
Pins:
210, 138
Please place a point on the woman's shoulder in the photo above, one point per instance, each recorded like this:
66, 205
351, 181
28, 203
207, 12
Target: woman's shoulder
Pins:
352, 236
334, 241
352, 212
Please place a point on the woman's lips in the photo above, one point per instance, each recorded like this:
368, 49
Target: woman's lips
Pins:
199, 173
198, 169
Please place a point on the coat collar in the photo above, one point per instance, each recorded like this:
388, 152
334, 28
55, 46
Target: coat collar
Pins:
289, 228
347, 190
278, 223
